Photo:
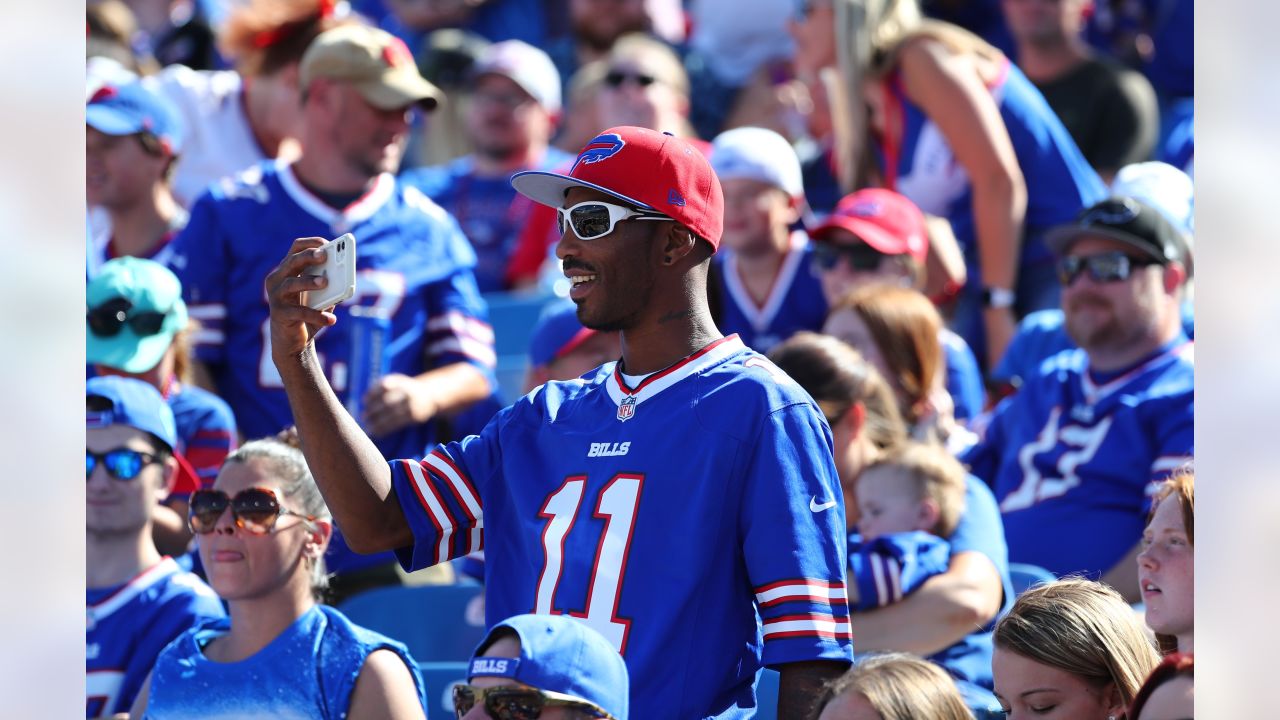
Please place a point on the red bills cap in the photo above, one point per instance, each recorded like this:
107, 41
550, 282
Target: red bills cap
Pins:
881, 218
643, 168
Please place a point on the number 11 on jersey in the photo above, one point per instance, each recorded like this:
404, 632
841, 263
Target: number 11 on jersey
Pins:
616, 504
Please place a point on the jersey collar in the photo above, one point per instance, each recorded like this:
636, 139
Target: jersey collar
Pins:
131, 589
761, 316
705, 358
362, 209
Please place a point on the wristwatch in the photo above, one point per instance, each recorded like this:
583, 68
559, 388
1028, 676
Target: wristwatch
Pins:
997, 297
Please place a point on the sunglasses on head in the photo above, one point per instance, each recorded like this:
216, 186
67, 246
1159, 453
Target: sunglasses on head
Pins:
615, 78
255, 510
516, 703
595, 219
861, 257
120, 463
1103, 267
107, 319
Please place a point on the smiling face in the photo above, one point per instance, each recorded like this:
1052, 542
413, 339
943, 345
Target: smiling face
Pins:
1030, 690
614, 275
241, 565
1166, 572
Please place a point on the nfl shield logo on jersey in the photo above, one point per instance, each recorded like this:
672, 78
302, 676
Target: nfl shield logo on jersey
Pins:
627, 408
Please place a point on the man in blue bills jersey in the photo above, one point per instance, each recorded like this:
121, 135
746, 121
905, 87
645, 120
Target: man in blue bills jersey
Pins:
664, 500
1075, 454
136, 600
413, 264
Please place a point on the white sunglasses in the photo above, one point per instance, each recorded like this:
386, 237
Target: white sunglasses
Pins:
595, 219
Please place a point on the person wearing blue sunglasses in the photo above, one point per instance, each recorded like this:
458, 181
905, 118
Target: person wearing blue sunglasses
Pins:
137, 600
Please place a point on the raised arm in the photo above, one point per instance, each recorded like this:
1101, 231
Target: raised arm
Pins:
351, 472
947, 88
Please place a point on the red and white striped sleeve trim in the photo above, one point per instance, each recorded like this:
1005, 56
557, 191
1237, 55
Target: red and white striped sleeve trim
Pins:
807, 625
803, 590
463, 490
434, 505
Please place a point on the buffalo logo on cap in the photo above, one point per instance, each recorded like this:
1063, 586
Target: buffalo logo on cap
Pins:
601, 147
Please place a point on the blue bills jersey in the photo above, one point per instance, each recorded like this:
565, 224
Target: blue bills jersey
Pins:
412, 262
694, 520
795, 301
488, 209
128, 625
1074, 456
890, 567
308, 672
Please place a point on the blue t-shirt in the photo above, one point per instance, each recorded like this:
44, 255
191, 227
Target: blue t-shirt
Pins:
307, 672
794, 303
128, 625
979, 530
964, 377
1060, 182
1076, 454
695, 521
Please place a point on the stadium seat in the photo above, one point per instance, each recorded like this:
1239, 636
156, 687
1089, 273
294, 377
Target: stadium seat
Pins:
767, 695
513, 316
439, 679
433, 620
1024, 575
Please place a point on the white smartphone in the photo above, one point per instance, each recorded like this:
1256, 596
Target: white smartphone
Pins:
340, 267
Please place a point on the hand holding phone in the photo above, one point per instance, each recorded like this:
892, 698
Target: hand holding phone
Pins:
339, 268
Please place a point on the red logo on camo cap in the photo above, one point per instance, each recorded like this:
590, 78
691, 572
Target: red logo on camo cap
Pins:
644, 168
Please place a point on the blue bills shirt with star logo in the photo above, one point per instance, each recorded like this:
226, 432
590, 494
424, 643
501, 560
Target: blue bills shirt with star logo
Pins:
701, 530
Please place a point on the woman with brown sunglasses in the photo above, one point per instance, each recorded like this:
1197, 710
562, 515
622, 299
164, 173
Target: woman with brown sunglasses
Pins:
263, 529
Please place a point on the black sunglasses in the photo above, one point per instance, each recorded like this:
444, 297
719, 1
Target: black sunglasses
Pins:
516, 703
861, 256
121, 463
615, 78
255, 510
107, 319
1103, 267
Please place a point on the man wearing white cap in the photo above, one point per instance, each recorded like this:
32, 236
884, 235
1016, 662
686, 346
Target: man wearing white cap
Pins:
511, 113
763, 284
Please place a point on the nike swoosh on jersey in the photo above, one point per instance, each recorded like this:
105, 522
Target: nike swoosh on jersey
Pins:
815, 507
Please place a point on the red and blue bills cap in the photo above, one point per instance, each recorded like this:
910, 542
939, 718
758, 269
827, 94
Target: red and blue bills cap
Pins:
644, 168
